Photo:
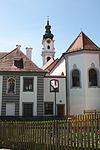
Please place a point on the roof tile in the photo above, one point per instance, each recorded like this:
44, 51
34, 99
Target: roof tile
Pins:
82, 42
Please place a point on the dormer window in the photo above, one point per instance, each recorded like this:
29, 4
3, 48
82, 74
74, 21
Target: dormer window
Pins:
19, 63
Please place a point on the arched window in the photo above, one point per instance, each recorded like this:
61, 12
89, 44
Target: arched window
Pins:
92, 77
75, 78
11, 85
48, 58
48, 47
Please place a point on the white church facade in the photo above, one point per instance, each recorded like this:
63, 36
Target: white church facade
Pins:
65, 86
80, 65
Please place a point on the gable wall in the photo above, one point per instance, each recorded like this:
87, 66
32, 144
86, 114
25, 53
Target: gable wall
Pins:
59, 68
60, 96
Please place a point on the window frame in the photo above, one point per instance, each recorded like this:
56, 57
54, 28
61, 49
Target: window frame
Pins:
46, 111
92, 86
8, 86
28, 90
77, 86
48, 47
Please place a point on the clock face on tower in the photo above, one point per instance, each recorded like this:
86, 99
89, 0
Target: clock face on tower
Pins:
48, 41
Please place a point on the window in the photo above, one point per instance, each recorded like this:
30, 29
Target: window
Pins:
48, 47
18, 63
48, 108
92, 77
11, 86
48, 58
28, 84
75, 78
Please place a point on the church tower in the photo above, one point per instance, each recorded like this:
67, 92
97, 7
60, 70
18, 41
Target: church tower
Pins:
48, 50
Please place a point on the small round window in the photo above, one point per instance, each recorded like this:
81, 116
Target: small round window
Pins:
48, 41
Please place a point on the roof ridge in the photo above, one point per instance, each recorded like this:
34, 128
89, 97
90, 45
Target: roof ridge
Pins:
8, 53
90, 40
82, 41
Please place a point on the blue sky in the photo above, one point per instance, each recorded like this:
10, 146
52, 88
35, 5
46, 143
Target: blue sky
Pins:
23, 22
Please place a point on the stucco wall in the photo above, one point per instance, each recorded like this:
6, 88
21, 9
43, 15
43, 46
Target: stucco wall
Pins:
28, 96
84, 97
59, 68
60, 96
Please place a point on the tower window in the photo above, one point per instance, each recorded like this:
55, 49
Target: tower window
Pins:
48, 41
75, 78
92, 77
48, 47
48, 58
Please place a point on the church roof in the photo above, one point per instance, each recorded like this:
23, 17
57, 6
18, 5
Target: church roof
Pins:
16, 60
82, 42
48, 33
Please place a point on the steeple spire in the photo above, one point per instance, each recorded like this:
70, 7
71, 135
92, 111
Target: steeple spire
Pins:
48, 50
48, 20
48, 33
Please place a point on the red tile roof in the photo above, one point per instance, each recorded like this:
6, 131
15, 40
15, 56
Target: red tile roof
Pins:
51, 65
7, 62
2, 54
82, 42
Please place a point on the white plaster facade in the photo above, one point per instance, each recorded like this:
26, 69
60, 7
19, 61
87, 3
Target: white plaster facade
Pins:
59, 68
84, 97
47, 52
50, 96
28, 97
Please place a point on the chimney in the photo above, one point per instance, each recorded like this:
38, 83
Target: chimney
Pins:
29, 52
18, 46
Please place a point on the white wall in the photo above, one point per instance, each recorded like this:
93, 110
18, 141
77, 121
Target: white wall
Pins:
1, 80
60, 96
28, 96
59, 68
51, 44
84, 97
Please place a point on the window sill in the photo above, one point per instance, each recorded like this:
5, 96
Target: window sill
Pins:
76, 87
28, 91
94, 87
